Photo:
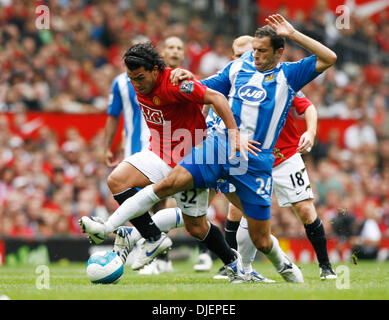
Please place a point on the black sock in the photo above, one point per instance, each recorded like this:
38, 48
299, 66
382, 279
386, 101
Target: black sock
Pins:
146, 227
123, 196
316, 234
203, 247
216, 243
144, 224
230, 233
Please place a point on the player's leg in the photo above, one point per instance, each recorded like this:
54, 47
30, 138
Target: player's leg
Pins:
248, 252
292, 188
161, 263
204, 260
177, 180
180, 179
258, 223
127, 237
315, 232
140, 167
232, 225
237, 236
213, 239
264, 241
123, 183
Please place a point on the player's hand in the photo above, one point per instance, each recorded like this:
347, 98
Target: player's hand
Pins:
306, 142
178, 75
242, 144
109, 159
282, 27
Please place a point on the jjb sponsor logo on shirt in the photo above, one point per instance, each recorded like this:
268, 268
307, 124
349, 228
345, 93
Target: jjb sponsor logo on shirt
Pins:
252, 94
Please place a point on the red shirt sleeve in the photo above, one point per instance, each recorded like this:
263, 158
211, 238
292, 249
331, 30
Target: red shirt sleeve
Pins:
301, 103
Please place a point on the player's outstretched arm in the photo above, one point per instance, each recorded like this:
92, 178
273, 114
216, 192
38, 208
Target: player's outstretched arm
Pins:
325, 56
222, 108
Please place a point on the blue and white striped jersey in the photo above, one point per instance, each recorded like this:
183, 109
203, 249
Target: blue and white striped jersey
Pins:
260, 101
123, 99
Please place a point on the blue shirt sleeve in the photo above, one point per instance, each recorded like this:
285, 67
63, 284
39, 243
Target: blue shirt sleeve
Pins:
220, 81
301, 72
115, 104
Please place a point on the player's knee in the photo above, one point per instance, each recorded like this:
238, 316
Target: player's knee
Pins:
196, 231
115, 183
262, 242
197, 228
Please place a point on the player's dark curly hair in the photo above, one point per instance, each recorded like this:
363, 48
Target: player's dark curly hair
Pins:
275, 40
143, 55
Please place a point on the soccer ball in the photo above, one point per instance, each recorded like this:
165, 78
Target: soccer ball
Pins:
104, 267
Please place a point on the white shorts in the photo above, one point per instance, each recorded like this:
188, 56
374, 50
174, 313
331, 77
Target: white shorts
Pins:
193, 202
291, 182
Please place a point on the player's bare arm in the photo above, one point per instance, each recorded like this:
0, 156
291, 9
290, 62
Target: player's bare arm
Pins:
205, 110
111, 127
307, 139
222, 108
325, 56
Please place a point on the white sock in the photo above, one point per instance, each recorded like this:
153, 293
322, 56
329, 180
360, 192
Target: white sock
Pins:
276, 256
167, 219
246, 248
133, 207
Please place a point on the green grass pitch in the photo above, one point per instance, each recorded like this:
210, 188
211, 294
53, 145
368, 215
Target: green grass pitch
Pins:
68, 281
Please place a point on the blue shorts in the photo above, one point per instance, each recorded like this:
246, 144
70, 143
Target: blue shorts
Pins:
252, 179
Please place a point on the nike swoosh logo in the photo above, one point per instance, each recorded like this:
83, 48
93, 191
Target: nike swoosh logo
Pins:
186, 206
149, 253
298, 192
97, 236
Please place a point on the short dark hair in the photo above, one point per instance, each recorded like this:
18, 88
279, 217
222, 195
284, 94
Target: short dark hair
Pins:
275, 40
143, 55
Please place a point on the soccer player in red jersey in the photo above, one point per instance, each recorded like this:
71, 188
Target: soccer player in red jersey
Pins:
173, 115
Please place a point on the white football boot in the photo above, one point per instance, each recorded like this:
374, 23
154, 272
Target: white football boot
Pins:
221, 275
163, 265
150, 249
95, 227
149, 269
290, 272
204, 263
235, 270
123, 243
255, 276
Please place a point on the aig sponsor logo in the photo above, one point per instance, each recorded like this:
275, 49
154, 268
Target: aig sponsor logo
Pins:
252, 94
152, 115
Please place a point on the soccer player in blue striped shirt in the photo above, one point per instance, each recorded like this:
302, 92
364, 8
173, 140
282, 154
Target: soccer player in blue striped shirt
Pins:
260, 91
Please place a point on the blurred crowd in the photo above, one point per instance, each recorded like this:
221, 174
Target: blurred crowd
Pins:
47, 184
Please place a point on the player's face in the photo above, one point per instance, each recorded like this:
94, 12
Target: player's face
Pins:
143, 80
239, 50
265, 58
173, 52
